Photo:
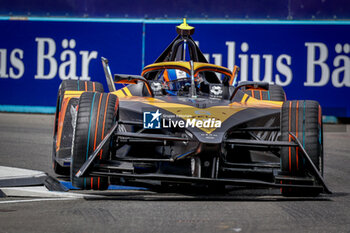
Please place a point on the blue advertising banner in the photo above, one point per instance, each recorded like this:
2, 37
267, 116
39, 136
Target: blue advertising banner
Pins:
311, 60
36, 56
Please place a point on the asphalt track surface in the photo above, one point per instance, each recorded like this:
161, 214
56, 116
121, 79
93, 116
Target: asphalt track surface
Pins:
25, 142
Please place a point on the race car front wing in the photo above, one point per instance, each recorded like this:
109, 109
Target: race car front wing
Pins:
118, 168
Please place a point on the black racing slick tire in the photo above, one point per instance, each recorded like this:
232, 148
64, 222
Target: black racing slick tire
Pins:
97, 113
304, 119
78, 85
275, 93
65, 138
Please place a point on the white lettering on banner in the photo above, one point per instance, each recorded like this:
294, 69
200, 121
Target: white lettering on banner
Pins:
217, 59
340, 75
244, 62
256, 68
318, 71
345, 69
68, 68
312, 62
207, 56
231, 47
283, 63
86, 58
284, 69
3, 63
71, 63
17, 63
323, 66
16, 70
41, 57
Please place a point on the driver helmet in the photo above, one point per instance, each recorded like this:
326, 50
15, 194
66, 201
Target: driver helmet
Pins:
177, 80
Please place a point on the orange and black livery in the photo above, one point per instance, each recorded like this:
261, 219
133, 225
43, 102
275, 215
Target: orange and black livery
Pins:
185, 121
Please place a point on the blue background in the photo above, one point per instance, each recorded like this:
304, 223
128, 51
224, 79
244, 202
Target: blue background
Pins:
130, 44
118, 41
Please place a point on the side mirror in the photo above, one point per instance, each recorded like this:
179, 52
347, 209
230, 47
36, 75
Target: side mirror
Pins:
255, 85
108, 74
132, 79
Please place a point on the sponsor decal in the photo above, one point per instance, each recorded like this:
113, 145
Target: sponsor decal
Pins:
215, 91
48, 66
325, 63
157, 120
151, 120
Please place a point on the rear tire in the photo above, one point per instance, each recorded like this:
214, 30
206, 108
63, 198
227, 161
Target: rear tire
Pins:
97, 113
304, 120
67, 130
77, 85
275, 93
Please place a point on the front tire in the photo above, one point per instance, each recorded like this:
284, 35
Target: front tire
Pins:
62, 149
97, 113
304, 120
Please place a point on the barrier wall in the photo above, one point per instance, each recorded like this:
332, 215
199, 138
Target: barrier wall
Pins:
310, 59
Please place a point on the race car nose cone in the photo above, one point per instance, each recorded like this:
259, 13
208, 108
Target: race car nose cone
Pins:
184, 29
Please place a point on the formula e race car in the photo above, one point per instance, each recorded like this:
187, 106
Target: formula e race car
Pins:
185, 121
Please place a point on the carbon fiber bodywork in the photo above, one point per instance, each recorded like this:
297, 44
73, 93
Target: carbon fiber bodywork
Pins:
243, 151
210, 133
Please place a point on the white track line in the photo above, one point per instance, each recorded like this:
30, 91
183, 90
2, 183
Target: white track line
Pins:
38, 191
39, 199
14, 172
